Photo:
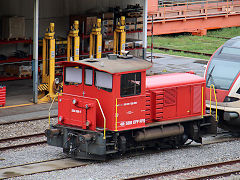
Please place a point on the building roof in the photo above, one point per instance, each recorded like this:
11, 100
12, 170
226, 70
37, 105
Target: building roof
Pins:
111, 66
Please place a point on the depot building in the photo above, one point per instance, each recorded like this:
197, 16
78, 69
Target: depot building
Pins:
38, 30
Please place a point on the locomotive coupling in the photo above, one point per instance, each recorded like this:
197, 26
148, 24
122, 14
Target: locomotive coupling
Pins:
86, 138
157, 133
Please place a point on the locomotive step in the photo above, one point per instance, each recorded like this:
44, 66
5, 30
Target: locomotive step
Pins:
110, 144
205, 124
111, 152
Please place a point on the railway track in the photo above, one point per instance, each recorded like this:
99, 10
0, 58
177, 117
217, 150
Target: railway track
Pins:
19, 138
25, 120
180, 50
23, 140
65, 163
218, 37
40, 167
208, 171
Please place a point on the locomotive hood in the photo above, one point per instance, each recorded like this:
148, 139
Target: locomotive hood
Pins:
173, 79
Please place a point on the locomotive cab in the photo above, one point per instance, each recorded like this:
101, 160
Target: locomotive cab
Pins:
95, 91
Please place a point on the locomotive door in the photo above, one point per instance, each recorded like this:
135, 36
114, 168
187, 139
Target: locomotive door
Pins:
184, 98
130, 112
88, 82
131, 106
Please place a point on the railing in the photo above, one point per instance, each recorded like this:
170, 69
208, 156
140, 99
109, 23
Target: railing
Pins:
104, 126
202, 100
116, 114
212, 87
196, 8
190, 3
49, 110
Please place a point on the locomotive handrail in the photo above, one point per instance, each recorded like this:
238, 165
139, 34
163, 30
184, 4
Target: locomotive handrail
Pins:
49, 110
212, 86
202, 100
116, 115
104, 128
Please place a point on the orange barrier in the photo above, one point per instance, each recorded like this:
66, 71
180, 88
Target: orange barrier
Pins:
195, 17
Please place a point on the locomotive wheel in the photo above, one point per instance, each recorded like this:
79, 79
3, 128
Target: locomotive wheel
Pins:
122, 144
180, 141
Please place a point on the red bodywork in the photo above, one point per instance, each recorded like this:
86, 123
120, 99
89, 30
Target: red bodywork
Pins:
162, 97
220, 94
2, 95
79, 114
130, 110
174, 96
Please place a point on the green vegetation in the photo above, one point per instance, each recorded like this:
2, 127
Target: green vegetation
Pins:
226, 32
204, 44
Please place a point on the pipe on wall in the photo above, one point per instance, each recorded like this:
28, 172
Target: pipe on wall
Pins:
35, 50
145, 7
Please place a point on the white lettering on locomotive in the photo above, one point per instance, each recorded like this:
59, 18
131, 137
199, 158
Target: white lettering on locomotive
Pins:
128, 122
129, 112
135, 122
128, 104
122, 124
76, 111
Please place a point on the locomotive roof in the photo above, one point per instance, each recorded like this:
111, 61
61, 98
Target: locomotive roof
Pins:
111, 66
234, 42
172, 79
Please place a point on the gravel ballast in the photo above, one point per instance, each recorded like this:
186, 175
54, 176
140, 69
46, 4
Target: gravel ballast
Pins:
29, 155
24, 128
129, 166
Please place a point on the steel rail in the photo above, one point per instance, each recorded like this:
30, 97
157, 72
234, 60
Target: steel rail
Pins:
180, 50
23, 145
20, 138
60, 167
196, 168
220, 37
25, 120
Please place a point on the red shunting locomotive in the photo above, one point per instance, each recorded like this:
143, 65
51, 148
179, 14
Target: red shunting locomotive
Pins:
110, 106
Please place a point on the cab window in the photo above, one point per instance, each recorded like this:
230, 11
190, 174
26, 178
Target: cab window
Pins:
230, 50
88, 76
130, 84
73, 75
103, 80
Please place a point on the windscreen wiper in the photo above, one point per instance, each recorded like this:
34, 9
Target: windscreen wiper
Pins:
210, 75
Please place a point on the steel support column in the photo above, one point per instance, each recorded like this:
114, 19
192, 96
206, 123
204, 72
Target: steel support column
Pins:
145, 7
35, 51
